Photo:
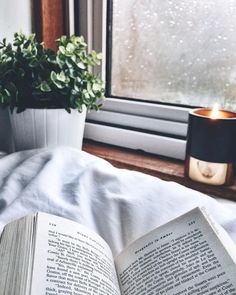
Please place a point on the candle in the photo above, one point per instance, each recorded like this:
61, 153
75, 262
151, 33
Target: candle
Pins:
215, 114
211, 146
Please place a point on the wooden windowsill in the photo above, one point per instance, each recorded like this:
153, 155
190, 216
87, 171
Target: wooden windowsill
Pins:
164, 168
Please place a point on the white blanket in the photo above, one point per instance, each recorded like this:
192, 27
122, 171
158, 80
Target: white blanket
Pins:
119, 204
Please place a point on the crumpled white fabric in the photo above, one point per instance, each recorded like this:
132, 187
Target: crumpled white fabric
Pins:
119, 204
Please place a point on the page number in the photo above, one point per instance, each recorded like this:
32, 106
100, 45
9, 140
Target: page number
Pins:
191, 222
52, 224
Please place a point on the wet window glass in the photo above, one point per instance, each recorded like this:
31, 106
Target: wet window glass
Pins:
177, 51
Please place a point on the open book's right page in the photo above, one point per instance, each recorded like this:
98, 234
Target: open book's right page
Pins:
182, 257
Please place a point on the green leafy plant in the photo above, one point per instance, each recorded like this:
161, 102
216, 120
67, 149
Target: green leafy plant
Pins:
32, 76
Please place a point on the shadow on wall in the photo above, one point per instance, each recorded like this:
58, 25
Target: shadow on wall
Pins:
6, 142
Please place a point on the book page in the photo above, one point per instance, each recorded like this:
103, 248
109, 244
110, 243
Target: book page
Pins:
182, 257
70, 259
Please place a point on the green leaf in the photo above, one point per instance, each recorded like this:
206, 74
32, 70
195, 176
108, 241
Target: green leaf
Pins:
61, 77
1, 99
58, 84
7, 92
99, 56
33, 63
45, 87
35, 71
81, 65
69, 63
97, 87
70, 48
11, 87
73, 73
53, 76
89, 87
63, 40
62, 50
60, 61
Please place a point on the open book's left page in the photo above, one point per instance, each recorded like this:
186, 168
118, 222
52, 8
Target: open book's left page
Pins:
70, 259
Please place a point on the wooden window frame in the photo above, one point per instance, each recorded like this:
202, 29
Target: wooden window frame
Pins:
50, 20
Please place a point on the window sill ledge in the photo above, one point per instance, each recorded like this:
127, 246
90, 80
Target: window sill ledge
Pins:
163, 168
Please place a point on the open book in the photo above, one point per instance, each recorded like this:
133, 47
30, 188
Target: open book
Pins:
44, 254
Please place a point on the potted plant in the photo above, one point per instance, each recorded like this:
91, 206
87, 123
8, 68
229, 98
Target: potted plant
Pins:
40, 87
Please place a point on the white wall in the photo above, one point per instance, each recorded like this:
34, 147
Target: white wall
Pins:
15, 15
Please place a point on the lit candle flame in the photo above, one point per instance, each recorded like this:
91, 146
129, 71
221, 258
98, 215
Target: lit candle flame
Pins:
215, 112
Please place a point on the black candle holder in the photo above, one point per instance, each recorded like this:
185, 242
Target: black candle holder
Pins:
211, 147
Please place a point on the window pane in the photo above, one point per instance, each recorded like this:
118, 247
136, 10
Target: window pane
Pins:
175, 51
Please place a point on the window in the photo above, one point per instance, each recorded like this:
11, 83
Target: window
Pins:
178, 52
162, 57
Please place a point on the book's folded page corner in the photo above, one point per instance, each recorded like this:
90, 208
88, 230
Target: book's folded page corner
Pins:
221, 233
200, 209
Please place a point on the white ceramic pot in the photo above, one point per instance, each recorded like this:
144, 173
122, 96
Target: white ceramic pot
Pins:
39, 128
